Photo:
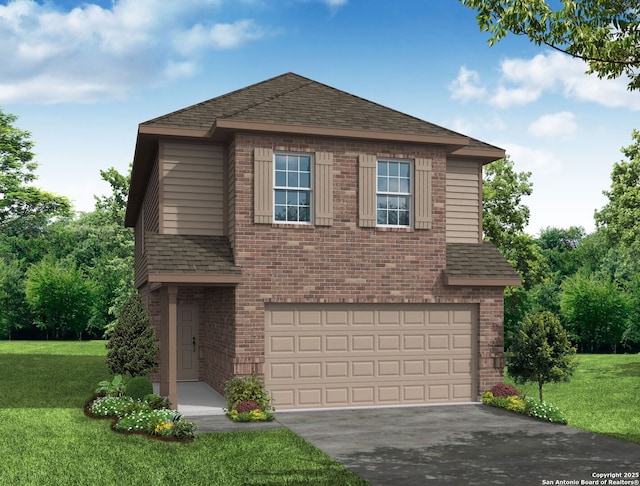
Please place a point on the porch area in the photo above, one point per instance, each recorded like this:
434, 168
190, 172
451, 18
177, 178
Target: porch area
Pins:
196, 398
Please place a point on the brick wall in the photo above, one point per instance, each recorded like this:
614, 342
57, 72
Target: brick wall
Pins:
344, 262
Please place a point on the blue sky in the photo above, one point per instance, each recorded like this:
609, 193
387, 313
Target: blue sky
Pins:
82, 75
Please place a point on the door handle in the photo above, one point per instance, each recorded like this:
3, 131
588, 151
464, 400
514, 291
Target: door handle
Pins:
194, 344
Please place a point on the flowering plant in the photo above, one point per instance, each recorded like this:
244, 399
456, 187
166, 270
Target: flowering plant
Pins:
525, 406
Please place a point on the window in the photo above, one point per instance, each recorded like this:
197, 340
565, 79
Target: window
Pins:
292, 188
393, 195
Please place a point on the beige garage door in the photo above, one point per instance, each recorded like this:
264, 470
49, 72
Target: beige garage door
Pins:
349, 355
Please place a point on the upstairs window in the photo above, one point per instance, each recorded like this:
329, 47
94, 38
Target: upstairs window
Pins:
393, 195
292, 188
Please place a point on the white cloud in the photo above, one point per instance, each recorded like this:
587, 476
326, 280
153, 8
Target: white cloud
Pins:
466, 86
218, 36
554, 125
91, 52
537, 160
523, 81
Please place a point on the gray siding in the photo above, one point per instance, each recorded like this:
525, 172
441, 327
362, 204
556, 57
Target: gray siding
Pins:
463, 201
192, 189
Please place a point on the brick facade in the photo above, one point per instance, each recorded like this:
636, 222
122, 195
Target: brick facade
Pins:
342, 263
345, 263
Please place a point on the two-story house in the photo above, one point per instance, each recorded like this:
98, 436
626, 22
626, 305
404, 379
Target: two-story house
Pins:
327, 243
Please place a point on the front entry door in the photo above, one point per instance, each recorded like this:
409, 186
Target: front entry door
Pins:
187, 342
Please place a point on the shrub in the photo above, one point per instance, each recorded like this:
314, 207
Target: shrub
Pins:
113, 388
165, 423
255, 415
247, 406
183, 429
526, 406
503, 390
117, 406
139, 387
156, 402
143, 421
250, 388
515, 404
132, 348
544, 411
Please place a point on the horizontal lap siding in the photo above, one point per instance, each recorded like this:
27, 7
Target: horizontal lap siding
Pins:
463, 202
148, 221
193, 189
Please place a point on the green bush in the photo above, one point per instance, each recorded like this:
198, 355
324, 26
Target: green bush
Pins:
544, 411
143, 421
139, 387
113, 388
117, 406
164, 423
156, 402
526, 406
132, 348
250, 388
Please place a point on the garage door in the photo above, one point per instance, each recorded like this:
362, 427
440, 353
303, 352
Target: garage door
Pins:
349, 355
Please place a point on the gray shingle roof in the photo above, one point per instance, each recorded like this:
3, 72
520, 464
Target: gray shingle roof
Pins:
480, 261
291, 99
187, 254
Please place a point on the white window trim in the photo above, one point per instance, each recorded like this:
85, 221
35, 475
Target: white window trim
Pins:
410, 194
310, 190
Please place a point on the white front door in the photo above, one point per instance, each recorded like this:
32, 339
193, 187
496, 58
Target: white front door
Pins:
187, 342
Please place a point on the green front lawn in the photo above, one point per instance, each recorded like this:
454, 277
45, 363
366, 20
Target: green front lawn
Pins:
602, 396
46, 439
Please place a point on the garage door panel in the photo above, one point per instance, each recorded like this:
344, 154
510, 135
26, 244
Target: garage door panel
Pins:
363, 369
363, 343
389, 343
339, 369
358, 355
309, 344
337, 344
310, 319
280, 344
389, 368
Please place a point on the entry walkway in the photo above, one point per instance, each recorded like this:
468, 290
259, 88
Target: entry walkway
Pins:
196, 398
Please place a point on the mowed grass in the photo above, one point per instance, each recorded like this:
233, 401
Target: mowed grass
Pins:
602, 396
46, 439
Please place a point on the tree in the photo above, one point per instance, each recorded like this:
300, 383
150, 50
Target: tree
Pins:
60, 297
559, 247
131, 347
24, 209
15, 314
604, 33
504, 216
596, 311
620, 217
540, 351
504, 219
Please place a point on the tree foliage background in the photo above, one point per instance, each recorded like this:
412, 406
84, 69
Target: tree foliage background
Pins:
591, 282
62, 275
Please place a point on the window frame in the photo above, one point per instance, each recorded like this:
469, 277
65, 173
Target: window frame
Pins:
309, 190
409, 195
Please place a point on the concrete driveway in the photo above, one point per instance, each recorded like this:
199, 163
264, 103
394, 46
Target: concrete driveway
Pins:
459, 445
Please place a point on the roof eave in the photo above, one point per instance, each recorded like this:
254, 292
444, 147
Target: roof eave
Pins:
223, 127
484, 155
195, 278
461, 281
